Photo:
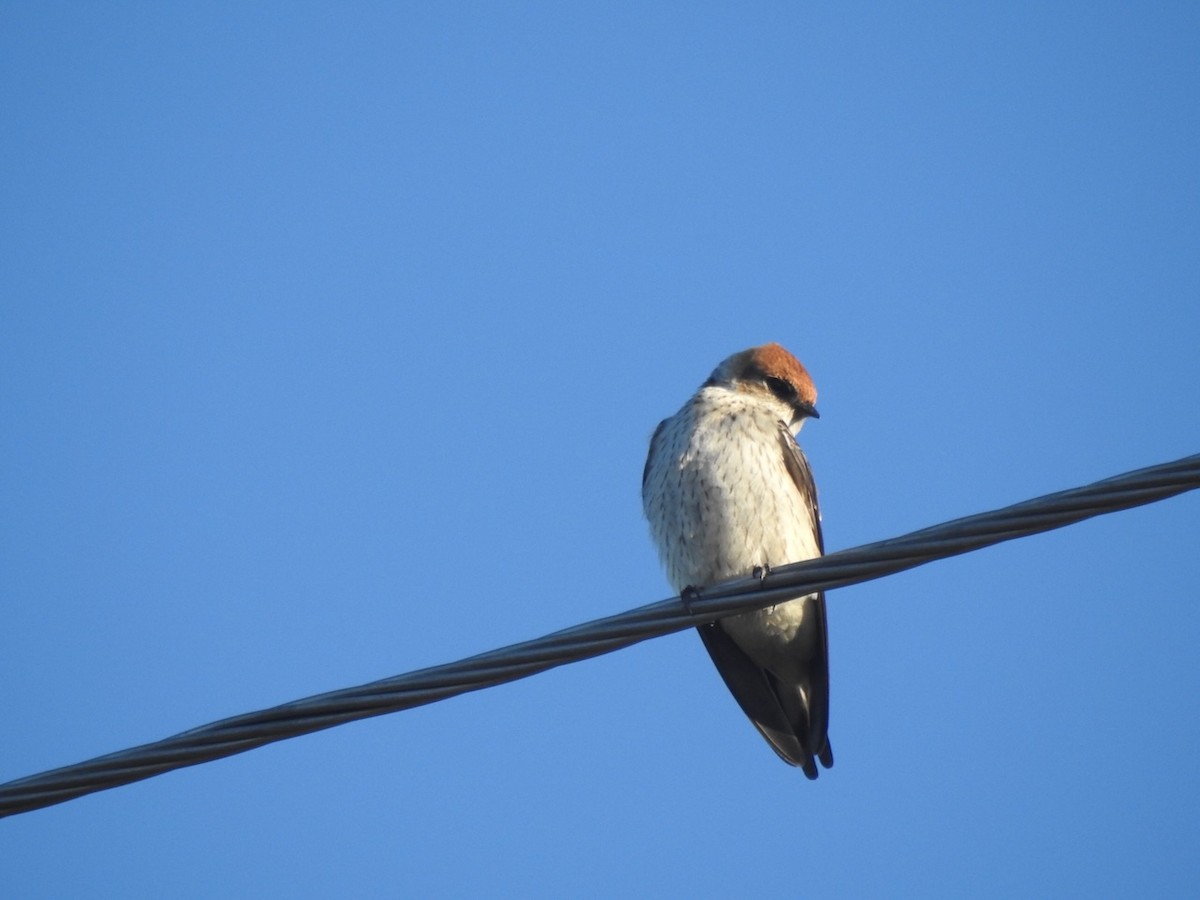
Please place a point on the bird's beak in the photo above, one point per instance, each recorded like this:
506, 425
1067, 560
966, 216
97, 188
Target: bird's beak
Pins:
807, 409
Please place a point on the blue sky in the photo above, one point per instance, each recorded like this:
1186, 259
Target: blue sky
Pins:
331, 340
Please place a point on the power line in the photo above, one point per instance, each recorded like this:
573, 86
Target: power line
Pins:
245, 732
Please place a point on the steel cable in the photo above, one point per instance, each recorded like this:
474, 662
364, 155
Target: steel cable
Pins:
245, 732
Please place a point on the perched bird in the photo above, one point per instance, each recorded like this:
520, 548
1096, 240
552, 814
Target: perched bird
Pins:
729, 493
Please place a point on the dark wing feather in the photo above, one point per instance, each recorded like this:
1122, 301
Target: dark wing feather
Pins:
818, 673
759, 696
797, 466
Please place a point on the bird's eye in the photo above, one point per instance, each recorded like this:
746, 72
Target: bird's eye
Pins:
782, 389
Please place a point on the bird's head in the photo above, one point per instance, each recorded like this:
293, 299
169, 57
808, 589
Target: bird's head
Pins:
769, 371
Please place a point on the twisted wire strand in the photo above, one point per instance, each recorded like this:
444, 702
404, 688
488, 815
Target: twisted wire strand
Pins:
869, 561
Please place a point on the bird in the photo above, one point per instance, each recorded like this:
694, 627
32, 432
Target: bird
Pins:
728, 492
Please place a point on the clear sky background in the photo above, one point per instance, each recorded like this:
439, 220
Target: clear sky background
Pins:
331, 340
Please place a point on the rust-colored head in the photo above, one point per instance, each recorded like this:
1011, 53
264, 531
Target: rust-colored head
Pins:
771, 369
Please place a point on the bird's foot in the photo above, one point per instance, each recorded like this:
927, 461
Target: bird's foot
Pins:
689, 595
761, 573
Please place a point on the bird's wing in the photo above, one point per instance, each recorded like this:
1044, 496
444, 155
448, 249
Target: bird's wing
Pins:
797, 466
759, 694
816, 691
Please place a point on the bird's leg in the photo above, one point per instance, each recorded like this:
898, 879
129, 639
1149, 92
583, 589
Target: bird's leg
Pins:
761, 573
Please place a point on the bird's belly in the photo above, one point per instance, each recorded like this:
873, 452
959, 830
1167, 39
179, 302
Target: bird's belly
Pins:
747, 530
726, 506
